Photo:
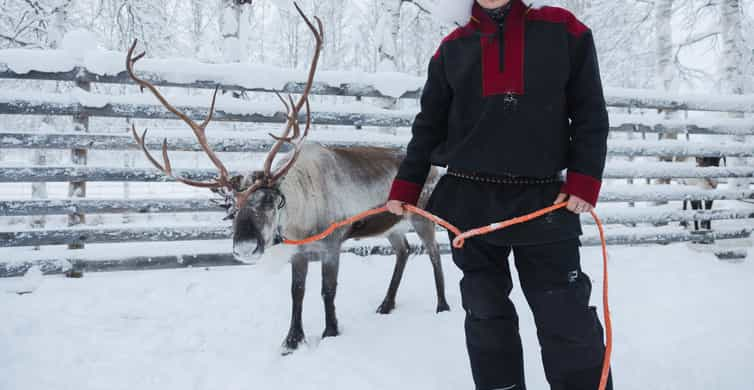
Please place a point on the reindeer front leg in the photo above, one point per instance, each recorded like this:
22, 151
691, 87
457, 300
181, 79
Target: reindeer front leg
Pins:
299, 268
330, 266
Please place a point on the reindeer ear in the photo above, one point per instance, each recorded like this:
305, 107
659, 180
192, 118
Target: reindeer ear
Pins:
257, 176
236, 182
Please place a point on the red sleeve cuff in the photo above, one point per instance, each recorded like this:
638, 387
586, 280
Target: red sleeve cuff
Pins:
405, 191
583, 186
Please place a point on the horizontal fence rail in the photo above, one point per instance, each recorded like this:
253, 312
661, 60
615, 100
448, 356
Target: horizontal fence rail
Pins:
631, 148
99, 235
154, 142
618, 170
192, 233
58, 265
318, 88
358, 115
15, 208
110, 235
149, 111
53, 266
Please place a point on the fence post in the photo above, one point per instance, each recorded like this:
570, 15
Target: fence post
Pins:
77, 189
38, 190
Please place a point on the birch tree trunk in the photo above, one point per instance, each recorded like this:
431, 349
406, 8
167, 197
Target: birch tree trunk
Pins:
58, 20
664, 45
387, 35
732, 80
733, 46
197, 24
664, 72
230, 30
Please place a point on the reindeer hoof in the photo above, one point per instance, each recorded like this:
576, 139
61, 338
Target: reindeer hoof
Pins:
292, 342
443, 306
386, 307
330, 332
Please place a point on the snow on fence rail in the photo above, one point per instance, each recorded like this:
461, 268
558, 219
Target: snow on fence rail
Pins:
101, 235
618, 170
107, 67
356, 114
611, 194
72, 260
97, 66
25, 140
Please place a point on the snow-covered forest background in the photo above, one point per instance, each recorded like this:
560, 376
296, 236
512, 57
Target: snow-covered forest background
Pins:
669, 44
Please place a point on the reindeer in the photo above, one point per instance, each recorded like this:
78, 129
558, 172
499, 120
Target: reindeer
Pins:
302, 195
708, 183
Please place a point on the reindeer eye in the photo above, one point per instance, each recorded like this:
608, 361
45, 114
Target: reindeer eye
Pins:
267, 201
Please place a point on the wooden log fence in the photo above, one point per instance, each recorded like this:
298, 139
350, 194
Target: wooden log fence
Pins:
77, 236
57, 265
15, 208
80, 74
148, 111
101, 174
83, 105
79, 157
615, 97
100, 235
678, 149
367, 118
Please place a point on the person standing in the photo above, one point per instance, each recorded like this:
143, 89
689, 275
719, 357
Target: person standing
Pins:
512, 99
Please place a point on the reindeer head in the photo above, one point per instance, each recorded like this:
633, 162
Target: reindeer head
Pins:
253, 202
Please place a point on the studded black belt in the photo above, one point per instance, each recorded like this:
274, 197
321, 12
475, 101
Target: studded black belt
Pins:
504, 179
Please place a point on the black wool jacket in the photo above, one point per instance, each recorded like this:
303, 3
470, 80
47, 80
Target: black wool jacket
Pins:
521, 98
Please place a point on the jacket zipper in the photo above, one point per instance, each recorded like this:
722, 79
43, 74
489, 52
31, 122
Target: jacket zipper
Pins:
501, 41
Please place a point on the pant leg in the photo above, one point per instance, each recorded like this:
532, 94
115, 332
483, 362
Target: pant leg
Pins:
491, 324
569, 331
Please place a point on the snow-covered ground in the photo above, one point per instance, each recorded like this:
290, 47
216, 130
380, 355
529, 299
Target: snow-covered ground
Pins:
680, 322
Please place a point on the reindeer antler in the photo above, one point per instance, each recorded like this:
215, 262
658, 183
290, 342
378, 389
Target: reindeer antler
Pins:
223, 182
293, 110
198, 129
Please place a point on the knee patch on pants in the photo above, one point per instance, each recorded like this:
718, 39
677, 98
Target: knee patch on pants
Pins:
491, 319
569, 330
485, 296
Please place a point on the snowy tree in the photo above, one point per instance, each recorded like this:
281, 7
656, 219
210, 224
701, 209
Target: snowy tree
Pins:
32, 23
388, 29
199, 23
732, 61
230, 29
732, 65
664, 72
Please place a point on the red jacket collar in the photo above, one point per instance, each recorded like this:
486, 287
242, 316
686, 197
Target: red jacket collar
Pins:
485, 24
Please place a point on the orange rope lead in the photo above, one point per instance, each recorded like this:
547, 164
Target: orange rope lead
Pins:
336, 225
605, 306
369, 213
460, 238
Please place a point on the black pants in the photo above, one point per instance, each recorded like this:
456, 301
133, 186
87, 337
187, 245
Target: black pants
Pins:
569, 331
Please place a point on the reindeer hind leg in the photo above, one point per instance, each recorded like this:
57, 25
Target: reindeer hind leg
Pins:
426, 231
400, 246
330, 267
707, 223
696, 205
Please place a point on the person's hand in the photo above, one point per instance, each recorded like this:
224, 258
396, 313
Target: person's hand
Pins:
395, 207
575, 204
